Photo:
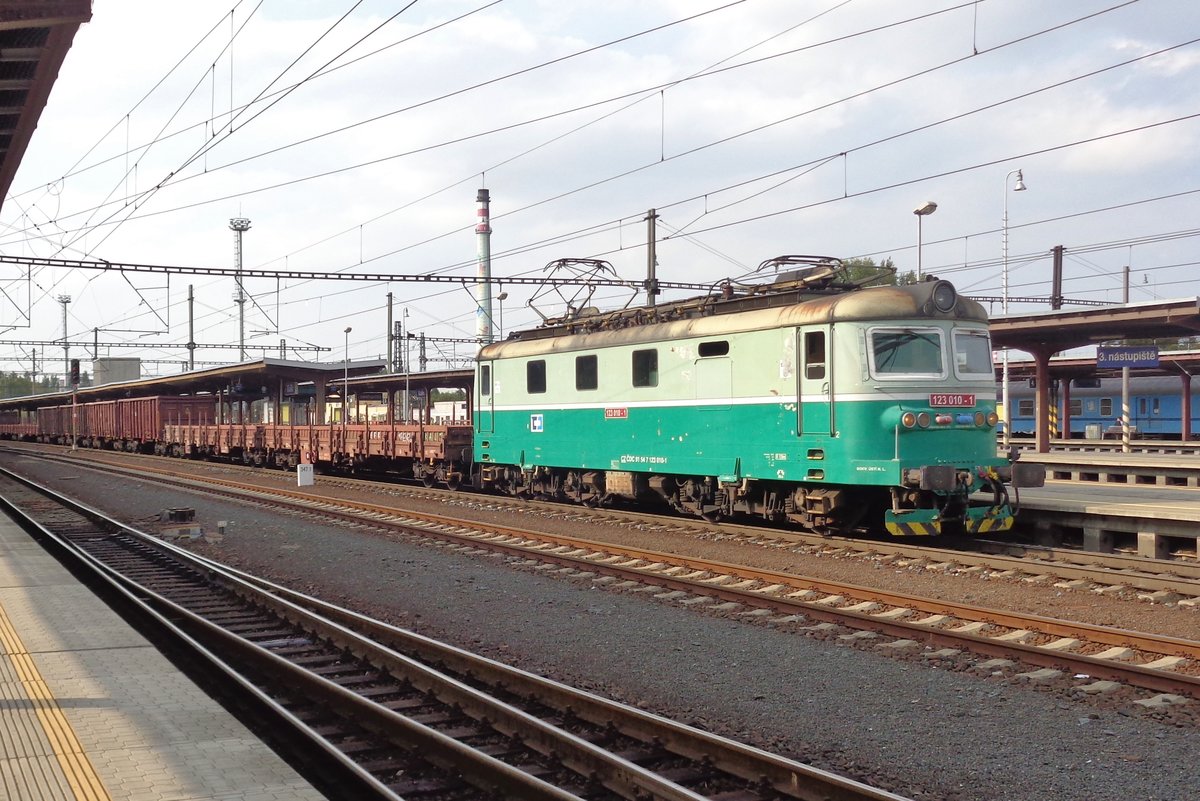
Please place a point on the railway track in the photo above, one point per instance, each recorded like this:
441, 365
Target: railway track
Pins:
396, 715
1068, 568
857, 615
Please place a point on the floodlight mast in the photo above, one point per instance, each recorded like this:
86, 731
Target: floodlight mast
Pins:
239, 225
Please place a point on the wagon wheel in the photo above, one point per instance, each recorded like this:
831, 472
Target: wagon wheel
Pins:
453, 482
427, 479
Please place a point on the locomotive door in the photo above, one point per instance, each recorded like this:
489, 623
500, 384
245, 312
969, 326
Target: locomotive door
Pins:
484, 400
814, 411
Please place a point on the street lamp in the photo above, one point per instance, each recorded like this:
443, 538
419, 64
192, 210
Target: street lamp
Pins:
1018, 187
503, 296
346, 383
922, 211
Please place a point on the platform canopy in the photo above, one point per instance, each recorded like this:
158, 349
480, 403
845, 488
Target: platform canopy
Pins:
35, 36
1055, 331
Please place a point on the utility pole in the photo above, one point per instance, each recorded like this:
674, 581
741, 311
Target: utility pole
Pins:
651, 257
64, 300
1056, 295
1125, 380
239, 225
390, 342
191, 343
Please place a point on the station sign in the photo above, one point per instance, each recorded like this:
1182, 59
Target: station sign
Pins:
1139, 356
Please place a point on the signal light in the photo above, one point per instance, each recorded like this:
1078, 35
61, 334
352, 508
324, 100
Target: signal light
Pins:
74, 372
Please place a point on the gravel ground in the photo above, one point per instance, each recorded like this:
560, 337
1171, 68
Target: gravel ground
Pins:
922, 730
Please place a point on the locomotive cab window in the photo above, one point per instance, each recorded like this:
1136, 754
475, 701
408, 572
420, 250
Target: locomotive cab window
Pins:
972, 353
814, 354
645, 368
485, 380
907, 352
720, 348
535, 376
586, 375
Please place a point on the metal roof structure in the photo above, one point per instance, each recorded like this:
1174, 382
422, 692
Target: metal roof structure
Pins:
1043, 334
253, 378
35, 36
1055, 331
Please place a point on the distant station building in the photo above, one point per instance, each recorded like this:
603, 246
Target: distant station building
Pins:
112, 369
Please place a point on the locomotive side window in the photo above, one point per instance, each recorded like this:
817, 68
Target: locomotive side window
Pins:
535, 376
645, 368
720, 348
972, 353
585, 372
485, 380
906, 352
814, 354
1106, 407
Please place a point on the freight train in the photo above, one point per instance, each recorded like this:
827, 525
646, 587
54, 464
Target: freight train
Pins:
810, 401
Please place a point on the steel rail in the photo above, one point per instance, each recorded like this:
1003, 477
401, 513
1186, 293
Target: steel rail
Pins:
577, 548
1137, 572
330, 622
348, 509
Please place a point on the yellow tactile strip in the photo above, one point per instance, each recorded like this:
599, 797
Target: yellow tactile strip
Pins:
72, 759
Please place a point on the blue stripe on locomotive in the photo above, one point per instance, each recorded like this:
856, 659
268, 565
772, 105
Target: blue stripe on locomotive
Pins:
1154, 406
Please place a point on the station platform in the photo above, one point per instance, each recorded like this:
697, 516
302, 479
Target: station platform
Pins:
1150, 517
91, 711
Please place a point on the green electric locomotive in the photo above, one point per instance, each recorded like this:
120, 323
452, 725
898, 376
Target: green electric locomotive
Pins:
811, 400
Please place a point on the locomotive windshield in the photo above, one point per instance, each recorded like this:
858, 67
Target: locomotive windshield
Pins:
972, 353
907, 352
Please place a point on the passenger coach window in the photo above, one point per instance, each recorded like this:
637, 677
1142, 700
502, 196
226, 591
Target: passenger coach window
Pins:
1076, 407
535, 376
714, 348
585, 372
645, 368
485, 380
1106, 407
814, 354
1025, 407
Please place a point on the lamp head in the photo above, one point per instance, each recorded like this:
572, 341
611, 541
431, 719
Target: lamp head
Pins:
1020, 187
925, 209
348, 330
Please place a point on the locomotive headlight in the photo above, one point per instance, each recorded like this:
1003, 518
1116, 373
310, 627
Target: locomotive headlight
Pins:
993, 418
908, 419
944, 296
980, 418
923, 419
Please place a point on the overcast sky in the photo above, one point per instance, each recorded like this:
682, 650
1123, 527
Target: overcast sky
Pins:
354, 136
